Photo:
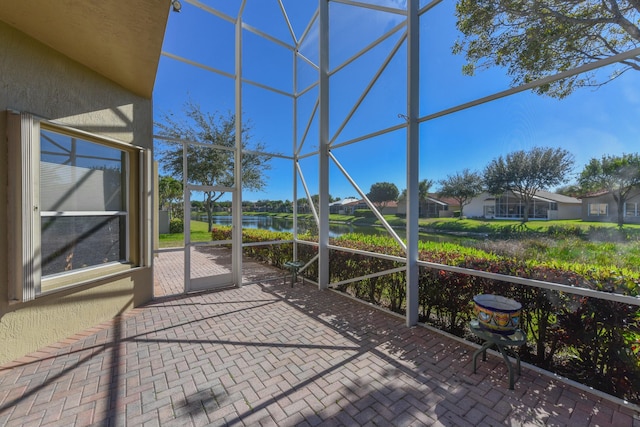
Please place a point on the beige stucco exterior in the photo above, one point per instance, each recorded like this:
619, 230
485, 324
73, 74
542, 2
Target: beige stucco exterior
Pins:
567, 207
36, 79
118, 39
631, 216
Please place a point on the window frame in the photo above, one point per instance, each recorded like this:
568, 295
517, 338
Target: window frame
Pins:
635, 212
489, 211
25, 264
49, 281
598, 213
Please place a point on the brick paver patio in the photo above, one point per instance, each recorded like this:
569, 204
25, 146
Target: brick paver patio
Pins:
269, 355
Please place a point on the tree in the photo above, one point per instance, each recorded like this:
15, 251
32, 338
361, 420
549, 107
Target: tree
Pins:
618, 175
282, 206
524, 173
211, 164
303, 205
423, 190
462, 187
382, 192
315, 199
169, 193
538, 38
571, 190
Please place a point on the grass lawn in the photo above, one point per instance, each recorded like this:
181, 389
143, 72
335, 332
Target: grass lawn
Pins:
347, 219
454, 224
499, 225
488, 226
532, 240
199, 233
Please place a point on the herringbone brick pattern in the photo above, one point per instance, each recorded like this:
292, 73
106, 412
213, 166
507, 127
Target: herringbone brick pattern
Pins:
205, 261
270, 355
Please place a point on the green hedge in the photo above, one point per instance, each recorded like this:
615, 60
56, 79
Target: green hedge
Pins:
176, 225
364, 213
594, 341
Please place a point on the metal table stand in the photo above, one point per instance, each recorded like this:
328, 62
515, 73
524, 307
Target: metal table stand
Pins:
502, 343
294, 267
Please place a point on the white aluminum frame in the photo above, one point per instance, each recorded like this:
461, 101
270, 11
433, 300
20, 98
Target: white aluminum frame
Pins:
327, 144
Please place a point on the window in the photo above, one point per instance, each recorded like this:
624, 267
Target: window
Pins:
83, 218
631, 209
598, 209
71, 205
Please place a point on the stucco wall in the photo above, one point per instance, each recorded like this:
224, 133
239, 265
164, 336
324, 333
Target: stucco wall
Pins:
567, 211
613, 209
38, 80
475, 208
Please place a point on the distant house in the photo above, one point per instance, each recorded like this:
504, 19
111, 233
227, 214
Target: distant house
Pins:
433, 207
545, 206
602, 207
255, 207
343, 207
390, 208
438, 207
350, 206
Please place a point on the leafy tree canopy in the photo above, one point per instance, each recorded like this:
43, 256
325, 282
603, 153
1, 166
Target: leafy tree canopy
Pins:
537, 38
424, 186
526, 172
462, 187
382, 192
571, 190
169, 192
212, 161
618, 175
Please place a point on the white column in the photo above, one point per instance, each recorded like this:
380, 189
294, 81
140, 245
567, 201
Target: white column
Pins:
294, 162
323, 190
236, 205
413, 149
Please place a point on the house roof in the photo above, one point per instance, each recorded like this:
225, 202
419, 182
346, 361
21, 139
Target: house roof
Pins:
343, 202
559, 198
355, 202
119, 39
601, 193
596, 194
442, 200
436, 201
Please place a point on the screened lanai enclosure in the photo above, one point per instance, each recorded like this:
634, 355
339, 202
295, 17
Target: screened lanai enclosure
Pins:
285, 106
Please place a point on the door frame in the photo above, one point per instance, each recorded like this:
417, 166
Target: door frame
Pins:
233, 278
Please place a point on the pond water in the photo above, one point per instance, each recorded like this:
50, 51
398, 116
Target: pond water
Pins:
335, 230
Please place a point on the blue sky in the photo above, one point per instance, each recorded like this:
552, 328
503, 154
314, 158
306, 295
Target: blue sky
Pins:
589, 123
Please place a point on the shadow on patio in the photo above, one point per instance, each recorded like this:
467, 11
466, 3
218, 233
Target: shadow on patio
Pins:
268, 354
